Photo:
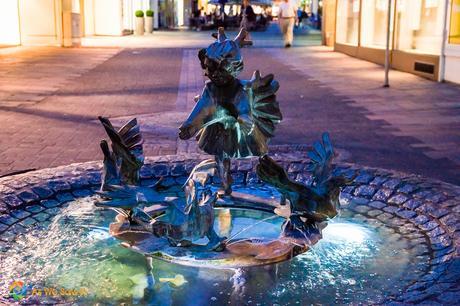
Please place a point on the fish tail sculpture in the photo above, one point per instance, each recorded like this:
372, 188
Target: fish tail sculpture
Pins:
309, 204
127, 152
120, 188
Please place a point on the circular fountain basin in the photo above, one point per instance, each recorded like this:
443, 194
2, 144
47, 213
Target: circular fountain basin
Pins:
394, 241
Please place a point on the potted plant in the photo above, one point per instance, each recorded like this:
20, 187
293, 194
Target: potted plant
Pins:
149, 21
139, 22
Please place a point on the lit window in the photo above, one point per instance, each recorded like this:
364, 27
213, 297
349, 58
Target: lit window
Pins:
454, 32
419, 25
347, 22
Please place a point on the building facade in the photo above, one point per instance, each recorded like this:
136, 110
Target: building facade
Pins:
64, 22
424, 34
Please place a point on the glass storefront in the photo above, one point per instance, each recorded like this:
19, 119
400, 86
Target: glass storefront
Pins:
347, 21
419, 26
454, 29
374, 14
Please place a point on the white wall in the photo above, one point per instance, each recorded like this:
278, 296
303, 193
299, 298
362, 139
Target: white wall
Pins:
40, 22
108, 17
9, 22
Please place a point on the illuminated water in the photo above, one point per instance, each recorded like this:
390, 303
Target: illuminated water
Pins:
350, 264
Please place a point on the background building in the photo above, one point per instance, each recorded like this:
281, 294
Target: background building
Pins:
419, 43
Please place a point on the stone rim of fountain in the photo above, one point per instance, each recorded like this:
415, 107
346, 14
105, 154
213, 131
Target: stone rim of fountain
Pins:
424, 206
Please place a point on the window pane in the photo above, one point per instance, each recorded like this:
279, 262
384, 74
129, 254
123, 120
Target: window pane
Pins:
374, 23
347, 21
454, 32
419, 25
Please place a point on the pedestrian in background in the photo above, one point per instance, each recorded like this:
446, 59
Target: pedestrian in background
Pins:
287, 16
248, 17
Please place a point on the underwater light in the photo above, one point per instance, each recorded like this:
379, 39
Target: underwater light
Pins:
345, 232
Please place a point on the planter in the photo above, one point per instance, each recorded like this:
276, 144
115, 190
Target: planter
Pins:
139, 26
149, 24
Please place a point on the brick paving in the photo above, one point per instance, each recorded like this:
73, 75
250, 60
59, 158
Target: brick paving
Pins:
411, 127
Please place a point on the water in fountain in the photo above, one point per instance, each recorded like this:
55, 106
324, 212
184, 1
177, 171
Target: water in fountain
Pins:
74, 250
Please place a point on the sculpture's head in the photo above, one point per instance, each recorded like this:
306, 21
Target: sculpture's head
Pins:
222, 60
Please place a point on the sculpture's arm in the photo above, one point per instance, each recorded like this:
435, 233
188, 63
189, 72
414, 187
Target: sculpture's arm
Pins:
198, 117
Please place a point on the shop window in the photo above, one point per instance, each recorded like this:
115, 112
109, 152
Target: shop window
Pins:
454, 31
347, 22
374, 14
419, 25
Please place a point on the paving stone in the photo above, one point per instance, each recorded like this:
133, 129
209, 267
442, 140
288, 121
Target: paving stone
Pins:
78, 182
7, 219
50, 203
407, 188
377, 204
392, 183
160, 170
384, 217
19, 214
421, 220
374, 212
361, 209
364, 178
440, 242
436, 197
436, 232
17, 229
58, 186
390, 209
382, 194
365, 191
81, 193
348, 189
12, 201
3, 227
428, 226
438, 213
406, 214
42, 192
422, 194
448, 298
28, 222
146, 173
178, 170
398, 199
379, 180
64, 197
5, 189
3, 207
40, 217
53, 211
412, 204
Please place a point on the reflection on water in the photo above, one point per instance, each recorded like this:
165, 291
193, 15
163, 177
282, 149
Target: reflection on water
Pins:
348, 265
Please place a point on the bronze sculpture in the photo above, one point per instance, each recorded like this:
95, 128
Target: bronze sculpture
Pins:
232, 118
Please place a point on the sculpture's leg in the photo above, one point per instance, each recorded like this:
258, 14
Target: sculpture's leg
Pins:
216, 243
223, 167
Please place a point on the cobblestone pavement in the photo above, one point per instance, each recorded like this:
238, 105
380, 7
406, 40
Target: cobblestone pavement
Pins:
422, 213
411, 127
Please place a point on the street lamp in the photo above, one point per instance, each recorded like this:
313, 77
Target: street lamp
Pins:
387, 49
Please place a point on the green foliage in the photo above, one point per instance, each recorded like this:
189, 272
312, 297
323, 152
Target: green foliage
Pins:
149, 13
139, 13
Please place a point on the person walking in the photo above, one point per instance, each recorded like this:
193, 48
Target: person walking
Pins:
248, 17
287, 16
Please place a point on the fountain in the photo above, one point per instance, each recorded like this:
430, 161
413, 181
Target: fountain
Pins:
243, 224
233, 119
